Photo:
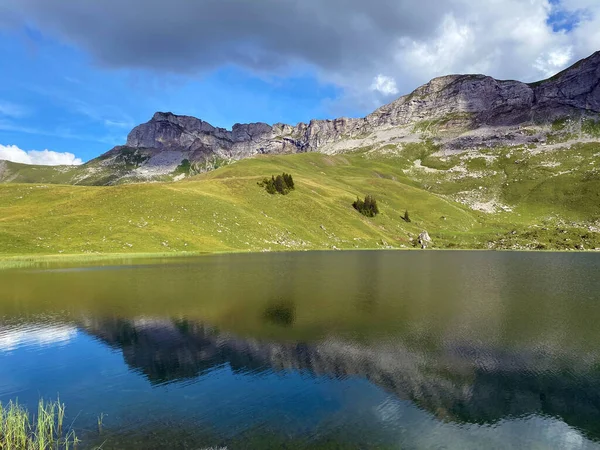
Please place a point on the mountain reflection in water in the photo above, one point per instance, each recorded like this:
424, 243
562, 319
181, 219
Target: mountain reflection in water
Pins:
460, 383
458, 350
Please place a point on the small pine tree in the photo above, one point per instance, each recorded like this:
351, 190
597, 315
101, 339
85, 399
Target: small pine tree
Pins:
371, 206
406, 217
269, 185
280, 185
289, 181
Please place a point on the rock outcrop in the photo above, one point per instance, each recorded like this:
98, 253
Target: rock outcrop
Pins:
167, 131
460, 101
458, 111
424, 240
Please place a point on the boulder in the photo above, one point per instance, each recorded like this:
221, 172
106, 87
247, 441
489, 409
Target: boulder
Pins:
424, 239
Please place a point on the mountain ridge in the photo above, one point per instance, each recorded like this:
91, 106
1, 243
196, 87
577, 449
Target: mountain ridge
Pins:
456, 112
493, 102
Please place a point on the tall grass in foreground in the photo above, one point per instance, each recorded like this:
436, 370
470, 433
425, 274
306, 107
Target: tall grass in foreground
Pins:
20, 430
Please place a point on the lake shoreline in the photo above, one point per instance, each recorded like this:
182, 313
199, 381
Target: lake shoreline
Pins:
29, 261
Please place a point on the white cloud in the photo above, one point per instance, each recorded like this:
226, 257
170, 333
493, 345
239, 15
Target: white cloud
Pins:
554, 61
384, 84
503, 39
506, 39
438, 55
43, 157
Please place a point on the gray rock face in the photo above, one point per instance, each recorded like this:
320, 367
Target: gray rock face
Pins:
167, 131
424, 239
478, 98
576, 87
487, 101
457, 102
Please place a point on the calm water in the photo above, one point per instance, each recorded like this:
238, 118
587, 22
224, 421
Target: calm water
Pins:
452, 350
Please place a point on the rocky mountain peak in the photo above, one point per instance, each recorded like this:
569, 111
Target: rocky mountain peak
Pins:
480, 99
169, 131
163, 116
577, 86
468, 101
446, 108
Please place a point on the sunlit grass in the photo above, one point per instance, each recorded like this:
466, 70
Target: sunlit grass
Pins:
21, 430
225, 211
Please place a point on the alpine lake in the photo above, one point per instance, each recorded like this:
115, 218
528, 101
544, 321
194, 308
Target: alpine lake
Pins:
356, 349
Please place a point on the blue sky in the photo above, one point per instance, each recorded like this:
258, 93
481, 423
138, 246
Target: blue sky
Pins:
77, 75
56, 97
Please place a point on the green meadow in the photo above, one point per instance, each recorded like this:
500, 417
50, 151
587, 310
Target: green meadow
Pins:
502, 198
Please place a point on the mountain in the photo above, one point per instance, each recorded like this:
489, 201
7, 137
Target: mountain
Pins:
457, 112
478, 163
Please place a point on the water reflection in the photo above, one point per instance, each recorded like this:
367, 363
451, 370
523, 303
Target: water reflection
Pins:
15, 337
425, 350
280, 312
461, 383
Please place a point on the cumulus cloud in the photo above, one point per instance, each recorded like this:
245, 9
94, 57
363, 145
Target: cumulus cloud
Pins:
384, 84
43, 157
349, 43
553, 61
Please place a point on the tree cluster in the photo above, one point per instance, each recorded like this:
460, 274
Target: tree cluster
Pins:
281, 184
367, 207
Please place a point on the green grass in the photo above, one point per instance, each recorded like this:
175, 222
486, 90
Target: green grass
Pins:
25, 173
591, 127
21, 430
460, 120
560, 124
226, 211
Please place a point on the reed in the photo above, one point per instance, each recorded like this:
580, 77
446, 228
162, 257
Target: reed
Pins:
20, 430
100, 423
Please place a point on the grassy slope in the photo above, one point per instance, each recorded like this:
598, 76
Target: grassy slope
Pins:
561, 182
225, 210
93, 173
29, 173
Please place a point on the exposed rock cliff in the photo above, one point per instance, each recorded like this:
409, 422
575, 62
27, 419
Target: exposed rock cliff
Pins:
461, 102
457, 111
167, 131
